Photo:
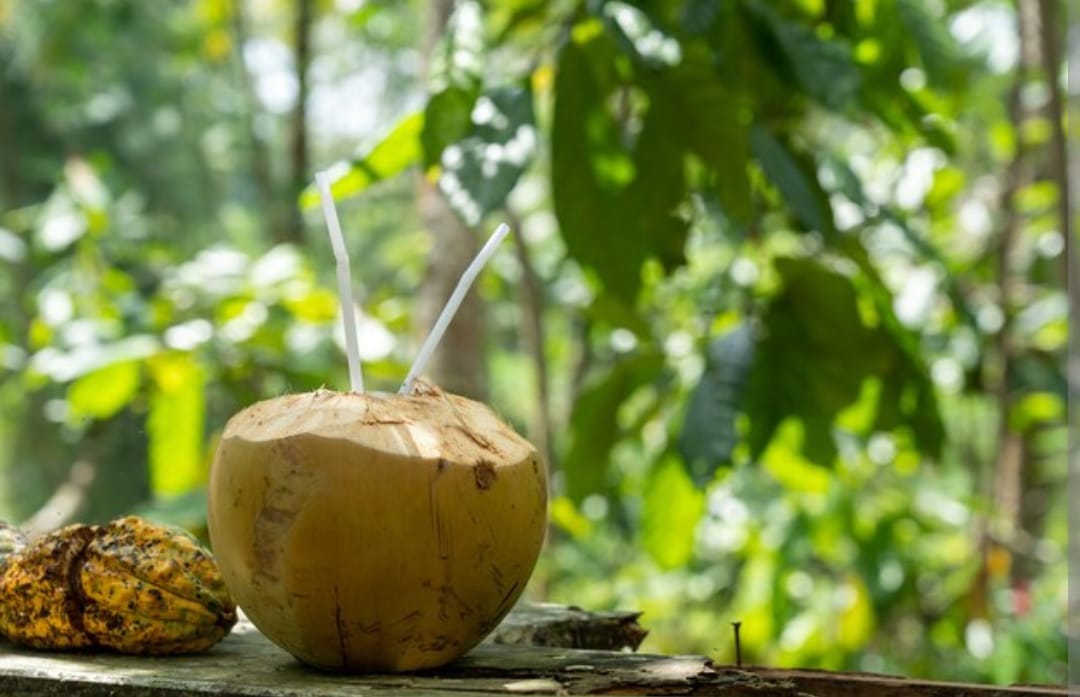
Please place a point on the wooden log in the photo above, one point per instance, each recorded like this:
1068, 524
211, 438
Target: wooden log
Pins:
566, 626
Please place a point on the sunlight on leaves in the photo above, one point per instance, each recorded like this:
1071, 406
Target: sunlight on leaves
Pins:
481, 170
1036, 408
784, 461
854, 612
640, 36
395, 153
672, 508
320, 305
456, 77
63, 366
175, 424
566, 516
104, 392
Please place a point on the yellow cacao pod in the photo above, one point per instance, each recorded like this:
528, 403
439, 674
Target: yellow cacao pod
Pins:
131, 586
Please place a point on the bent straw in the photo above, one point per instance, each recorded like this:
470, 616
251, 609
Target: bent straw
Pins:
451, 308
345, 297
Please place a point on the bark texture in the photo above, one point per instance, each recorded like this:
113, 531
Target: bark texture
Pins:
459, 364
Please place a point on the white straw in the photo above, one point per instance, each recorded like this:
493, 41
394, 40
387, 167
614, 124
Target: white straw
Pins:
341, 255
451, 307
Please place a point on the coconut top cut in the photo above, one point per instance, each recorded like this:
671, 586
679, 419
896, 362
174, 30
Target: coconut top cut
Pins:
428, 424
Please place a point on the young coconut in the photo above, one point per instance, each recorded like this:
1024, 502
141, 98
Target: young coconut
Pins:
369, 532
375, 532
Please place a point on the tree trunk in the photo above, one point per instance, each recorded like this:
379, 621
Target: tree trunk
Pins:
1021, 487
459, 364
532, 333
1008, 467
267, 198
1050, 54
298, 144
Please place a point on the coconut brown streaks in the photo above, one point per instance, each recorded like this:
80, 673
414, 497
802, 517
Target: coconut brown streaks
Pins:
366, 532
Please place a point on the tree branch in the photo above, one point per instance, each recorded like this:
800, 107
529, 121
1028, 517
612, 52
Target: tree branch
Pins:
532, 306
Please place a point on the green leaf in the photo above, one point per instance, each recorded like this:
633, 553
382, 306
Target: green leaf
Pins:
814, 356
823, 68
593, 217
783, 460
910, 375
698, 17
594, 427
617, 199
480, 171
671, 511
793, 175
520, 20
104, 392
638, 35
710, 125
396, 152
175, 425
903, 113
709, 436
855, 621
446, 121
659, 186
1035, 409
938, 51
611, 310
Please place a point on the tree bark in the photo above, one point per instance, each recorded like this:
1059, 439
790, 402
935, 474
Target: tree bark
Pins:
532, 334
262, 174
1020, 491
1050, 55
459, 364
1008, 468
298, 143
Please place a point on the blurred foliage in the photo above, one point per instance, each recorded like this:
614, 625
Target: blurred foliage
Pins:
768, 241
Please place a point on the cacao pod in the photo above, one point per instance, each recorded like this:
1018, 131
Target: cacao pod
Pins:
131, 586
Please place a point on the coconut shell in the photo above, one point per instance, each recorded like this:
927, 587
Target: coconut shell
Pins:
366, 532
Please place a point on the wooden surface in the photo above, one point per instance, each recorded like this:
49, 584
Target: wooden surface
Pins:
246, 664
